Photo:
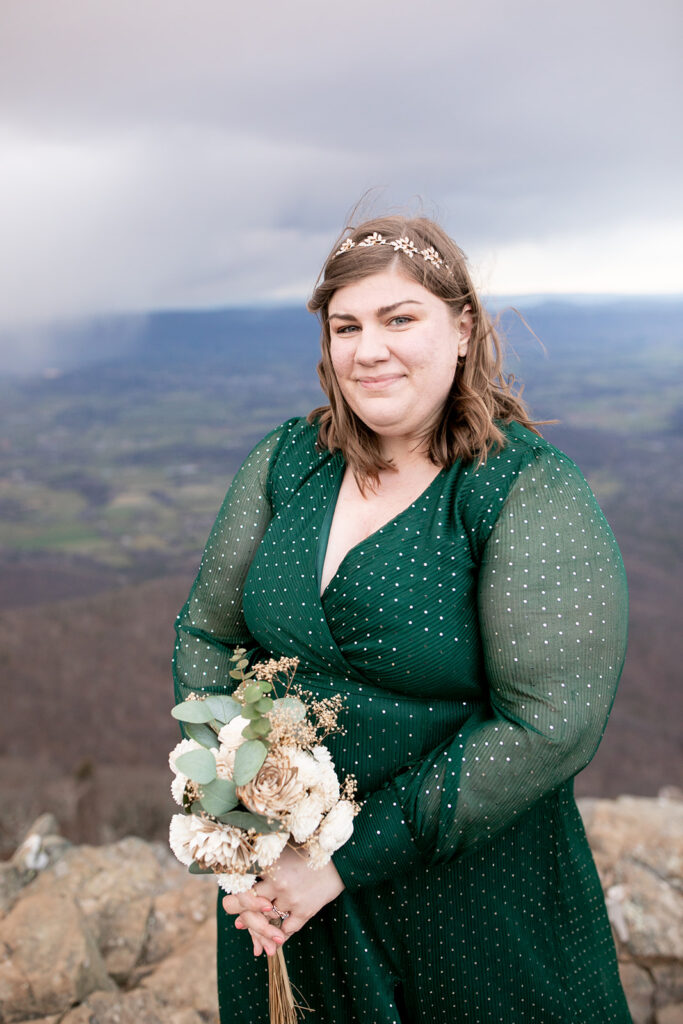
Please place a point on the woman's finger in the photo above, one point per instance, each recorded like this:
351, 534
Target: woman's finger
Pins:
235, 904
260, 925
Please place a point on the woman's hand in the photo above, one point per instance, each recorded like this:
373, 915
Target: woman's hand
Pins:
294, 887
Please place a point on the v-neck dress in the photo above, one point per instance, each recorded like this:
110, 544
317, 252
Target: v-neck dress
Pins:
478, 638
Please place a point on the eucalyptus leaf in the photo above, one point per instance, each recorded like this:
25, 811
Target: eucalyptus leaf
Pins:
265, 705
201, 733
234, 674
196, 808
261, 727
195, 869
292, 707
219, 796
252, 693
192, 711
243, 663
198, 765
265, 686
247, 820
250, 711
223, 708
248, 760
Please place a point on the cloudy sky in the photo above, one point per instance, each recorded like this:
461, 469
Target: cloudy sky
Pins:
189, 153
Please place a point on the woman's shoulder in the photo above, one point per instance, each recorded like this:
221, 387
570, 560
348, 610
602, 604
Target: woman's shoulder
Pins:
294, 457
483, 490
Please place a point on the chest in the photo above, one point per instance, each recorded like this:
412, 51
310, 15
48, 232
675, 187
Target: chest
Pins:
357, 515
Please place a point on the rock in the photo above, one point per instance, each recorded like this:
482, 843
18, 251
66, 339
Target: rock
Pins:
176, 915
45, 969
638, 848
188, 977
138, 1007
640, 991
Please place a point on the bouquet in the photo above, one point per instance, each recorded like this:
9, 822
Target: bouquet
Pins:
252, 775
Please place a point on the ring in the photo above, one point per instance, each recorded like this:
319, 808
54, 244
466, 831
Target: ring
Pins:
282, 914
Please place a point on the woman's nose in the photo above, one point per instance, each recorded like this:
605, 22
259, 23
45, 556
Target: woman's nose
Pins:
372, 345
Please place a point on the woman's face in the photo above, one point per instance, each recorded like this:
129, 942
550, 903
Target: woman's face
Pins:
394, 348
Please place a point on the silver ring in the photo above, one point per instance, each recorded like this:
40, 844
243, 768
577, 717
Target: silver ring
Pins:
282, 914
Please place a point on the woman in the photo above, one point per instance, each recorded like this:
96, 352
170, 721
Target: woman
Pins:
422, 550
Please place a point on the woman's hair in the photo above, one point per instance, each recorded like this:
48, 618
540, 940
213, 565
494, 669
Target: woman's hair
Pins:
481, 393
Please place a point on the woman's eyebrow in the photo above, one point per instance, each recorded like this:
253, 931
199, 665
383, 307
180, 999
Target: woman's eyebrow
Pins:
382, 311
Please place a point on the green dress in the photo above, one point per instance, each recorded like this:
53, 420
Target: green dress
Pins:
478, 638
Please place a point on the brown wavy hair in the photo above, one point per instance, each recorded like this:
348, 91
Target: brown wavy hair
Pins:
480, 394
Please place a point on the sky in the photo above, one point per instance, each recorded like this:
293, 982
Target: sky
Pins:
160, 154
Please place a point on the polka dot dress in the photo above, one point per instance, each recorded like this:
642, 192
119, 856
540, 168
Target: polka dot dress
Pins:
478, 638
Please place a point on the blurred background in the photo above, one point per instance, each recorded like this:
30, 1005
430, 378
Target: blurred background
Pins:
172, 177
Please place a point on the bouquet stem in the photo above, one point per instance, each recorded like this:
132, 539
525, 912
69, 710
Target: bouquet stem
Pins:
283, 1009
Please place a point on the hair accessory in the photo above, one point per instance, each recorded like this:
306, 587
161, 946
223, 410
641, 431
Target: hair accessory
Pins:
429, 255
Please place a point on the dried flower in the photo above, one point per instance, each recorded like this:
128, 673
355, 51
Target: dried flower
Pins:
231, 882
215, 845
337, 826
268, 848
180, 835
276, 787
306, 816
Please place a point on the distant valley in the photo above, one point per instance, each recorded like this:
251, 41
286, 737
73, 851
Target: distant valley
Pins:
113, 466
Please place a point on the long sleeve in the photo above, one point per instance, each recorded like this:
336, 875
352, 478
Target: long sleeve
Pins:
211, 623
552, 607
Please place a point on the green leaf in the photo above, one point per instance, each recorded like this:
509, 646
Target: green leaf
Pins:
248, 760
195, 869
265, 705
292, 707
265, 686
251, 712
192, 711
243, 663
223, 708
261, 727
252, 693
198, 765
234, 674
196, 808
219, 796
247, 820
201, 734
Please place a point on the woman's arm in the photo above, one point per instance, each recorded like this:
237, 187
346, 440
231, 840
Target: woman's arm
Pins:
211, 623
553, 618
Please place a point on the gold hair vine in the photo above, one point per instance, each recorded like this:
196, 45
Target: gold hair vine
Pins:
430, 255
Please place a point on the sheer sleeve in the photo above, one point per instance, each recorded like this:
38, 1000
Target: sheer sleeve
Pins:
211, 623
552, 605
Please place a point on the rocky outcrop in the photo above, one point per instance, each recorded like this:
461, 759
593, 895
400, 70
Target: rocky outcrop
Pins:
121, 934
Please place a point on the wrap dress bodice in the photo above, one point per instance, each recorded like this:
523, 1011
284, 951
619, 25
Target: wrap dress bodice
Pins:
477, 638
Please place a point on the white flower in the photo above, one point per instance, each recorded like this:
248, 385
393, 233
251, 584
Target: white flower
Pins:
230, 737
268, 848
180, 835
178, 788
337, 826
316, 772
216, 845
234, 883
317, 857
327, 776
305, 818
184, 747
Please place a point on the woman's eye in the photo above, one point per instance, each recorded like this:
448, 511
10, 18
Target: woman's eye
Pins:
399, 321
346, 330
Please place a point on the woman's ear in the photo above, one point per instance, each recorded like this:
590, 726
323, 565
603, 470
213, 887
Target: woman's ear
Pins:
465, 325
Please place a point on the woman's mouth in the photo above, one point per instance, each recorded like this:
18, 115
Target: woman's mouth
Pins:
379, 383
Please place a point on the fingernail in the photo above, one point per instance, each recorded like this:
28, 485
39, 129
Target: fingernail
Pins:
238, 923
266, 908
279, 939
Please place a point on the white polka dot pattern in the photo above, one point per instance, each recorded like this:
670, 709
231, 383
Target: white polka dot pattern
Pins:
478, 638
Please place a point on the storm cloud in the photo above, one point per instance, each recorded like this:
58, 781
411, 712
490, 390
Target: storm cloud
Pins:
167, 154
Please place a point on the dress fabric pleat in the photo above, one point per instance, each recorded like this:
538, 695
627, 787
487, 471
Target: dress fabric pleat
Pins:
478, 638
